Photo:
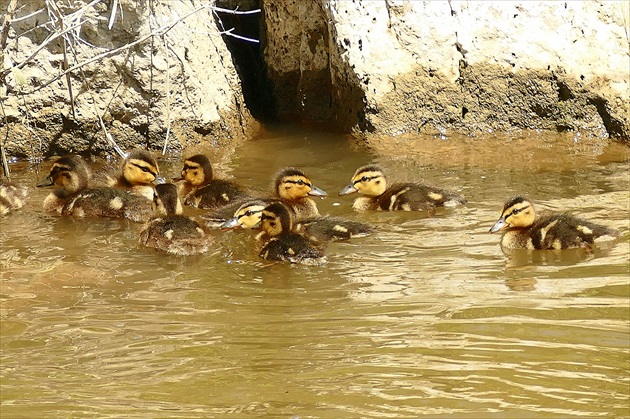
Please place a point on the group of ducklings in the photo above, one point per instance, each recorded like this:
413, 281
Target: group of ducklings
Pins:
292, 228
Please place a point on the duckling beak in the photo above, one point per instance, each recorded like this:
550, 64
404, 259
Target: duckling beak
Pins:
499, 225
159, 180
47, 181
315, 191
348, 190
177, 179
231, 223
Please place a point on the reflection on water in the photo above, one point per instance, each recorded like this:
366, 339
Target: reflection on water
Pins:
427, 317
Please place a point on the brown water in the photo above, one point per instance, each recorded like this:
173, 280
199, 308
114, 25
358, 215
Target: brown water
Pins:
426, 318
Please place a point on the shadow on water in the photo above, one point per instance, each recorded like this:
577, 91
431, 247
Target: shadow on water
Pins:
425, 318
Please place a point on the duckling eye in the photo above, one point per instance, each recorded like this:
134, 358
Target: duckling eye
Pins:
365, 179
300, 182
145, 169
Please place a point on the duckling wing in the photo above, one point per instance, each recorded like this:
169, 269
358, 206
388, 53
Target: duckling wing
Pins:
416, 197
109, 202
215, 194
332, 228
176, 234
562, 231
290, 247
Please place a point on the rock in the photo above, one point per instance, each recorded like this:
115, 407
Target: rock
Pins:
388, 67
183, 76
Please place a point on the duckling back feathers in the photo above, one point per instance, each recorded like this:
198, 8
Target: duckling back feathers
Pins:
173, 232
12, 197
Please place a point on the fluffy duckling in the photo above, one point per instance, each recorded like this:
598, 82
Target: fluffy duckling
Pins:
281, 242
201, 190
293, 187
12, 196
320, 228
139, 171
73, 197
370, 181
524, 230
173, 232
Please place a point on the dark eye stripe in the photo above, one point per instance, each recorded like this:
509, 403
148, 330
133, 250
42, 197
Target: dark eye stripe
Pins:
364, 179
145, 169
248, 213
299, 182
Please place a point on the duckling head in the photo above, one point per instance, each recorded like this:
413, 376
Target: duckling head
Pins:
247, 215
368, 180
197, 170
166, 201
292, 184
518, 212
276, 219
140, 168
71, 173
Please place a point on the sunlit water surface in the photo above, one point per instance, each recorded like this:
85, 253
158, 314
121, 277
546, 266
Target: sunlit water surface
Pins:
425, 318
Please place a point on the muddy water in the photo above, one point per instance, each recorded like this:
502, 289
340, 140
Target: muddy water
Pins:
426, 318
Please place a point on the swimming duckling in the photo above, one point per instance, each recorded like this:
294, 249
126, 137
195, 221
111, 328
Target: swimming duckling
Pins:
72, 174
293, 187
12, 196
201, 190
281, 242
523, 230
173, 232
139, 171
370, 180
321, 228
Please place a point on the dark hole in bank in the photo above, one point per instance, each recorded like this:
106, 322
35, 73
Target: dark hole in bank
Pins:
247, 56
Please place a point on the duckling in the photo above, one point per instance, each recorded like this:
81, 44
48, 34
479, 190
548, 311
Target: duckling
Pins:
12, 196
321, 228
73, 197
523, 230
139, 171
201, 190
370, 180
173, 232
293, 187
281, 242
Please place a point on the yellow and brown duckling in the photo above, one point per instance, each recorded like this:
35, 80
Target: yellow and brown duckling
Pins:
321, 228
523, 229
172, 232
370, 180
280, 242
200, 189
139, 172
294, 188
71, 174
12, 196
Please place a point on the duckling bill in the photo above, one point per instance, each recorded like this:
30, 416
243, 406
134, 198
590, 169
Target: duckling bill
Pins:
523, 229
370, 181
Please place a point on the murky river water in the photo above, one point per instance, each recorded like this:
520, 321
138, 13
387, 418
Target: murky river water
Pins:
425, 318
